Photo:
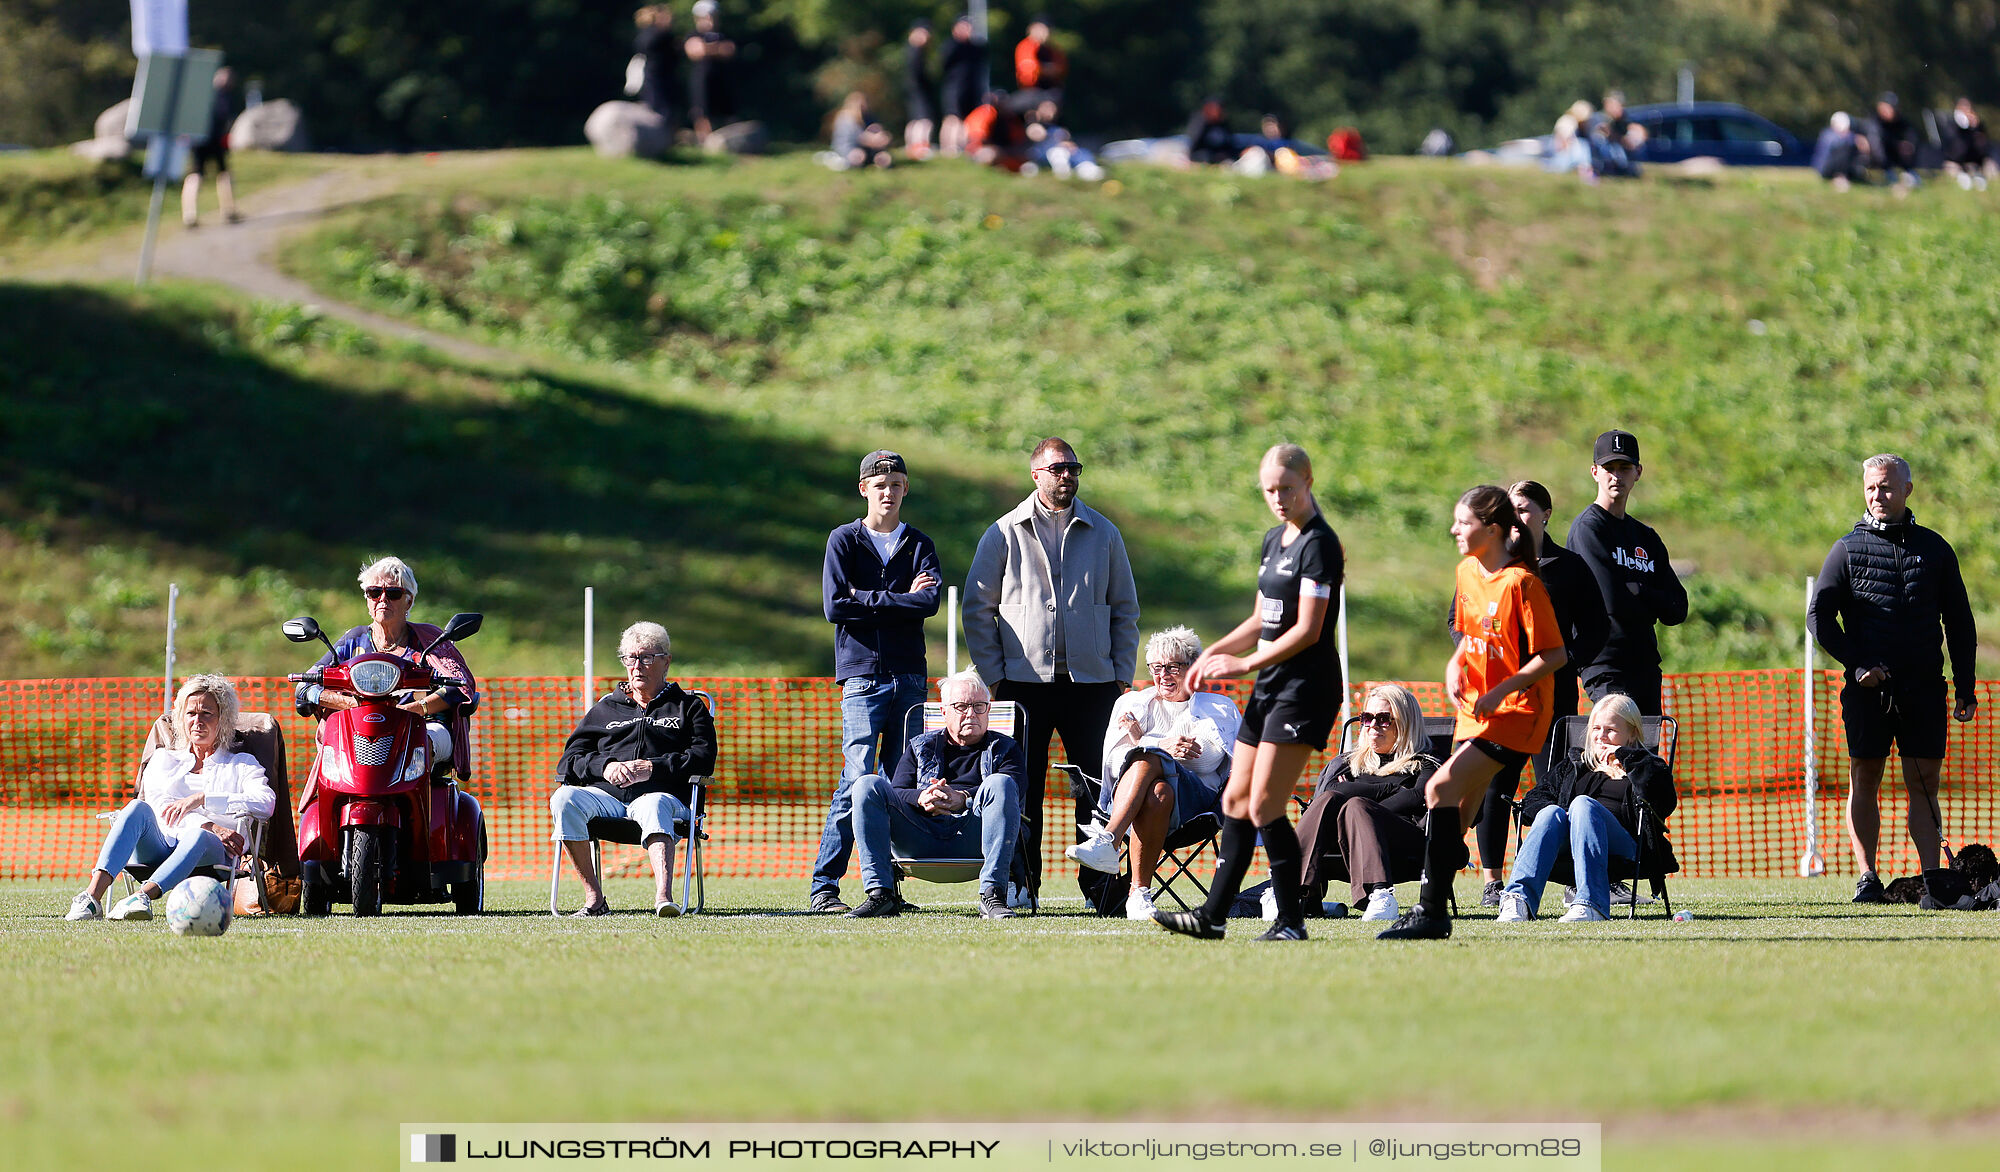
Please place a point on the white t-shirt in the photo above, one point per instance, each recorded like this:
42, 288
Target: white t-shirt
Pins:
885, 543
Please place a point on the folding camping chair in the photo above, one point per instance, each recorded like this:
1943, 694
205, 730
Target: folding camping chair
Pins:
1437, 743
1006, 718
258, 735
1183, 848
1660, 735
692, 830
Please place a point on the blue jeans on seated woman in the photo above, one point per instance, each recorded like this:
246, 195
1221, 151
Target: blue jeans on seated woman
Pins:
1593, 837
136, 837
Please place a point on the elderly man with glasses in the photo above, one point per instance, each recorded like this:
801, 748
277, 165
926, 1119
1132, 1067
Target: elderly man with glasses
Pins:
956, 794
1052, 621
1166, 755
631, 757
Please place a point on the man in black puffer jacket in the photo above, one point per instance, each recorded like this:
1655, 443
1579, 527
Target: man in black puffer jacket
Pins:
1881, 597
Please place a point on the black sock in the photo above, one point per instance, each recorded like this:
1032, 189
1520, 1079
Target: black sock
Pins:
1281, 846
1441, 849
1233, 848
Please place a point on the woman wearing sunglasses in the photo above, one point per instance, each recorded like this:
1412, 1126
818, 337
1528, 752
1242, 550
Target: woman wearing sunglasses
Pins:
1288, 642
389, 590
1366, 820
1166, 754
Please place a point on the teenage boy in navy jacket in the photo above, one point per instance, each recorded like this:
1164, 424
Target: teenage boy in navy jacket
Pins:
879, 584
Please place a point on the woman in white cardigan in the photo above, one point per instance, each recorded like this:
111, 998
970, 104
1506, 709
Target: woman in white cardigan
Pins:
1166, 755
189, 800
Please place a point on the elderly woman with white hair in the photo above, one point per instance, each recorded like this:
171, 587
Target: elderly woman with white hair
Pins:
1166, 754
389, 588
190, 799
632, 757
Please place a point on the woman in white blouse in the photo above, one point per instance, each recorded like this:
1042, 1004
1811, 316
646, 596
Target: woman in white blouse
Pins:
189, 800
1166, 755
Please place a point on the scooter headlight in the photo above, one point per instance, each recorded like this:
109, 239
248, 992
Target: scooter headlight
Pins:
376, 677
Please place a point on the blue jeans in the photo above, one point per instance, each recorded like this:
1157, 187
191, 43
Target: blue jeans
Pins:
573, 806
987, 831
1593, 837
871, 712
136, 837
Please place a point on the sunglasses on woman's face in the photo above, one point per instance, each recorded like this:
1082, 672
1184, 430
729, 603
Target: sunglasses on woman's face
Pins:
392, 593
1377, 720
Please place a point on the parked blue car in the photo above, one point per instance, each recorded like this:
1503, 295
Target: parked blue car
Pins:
1717, 130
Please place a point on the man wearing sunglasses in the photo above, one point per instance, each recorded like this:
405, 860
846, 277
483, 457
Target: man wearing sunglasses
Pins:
1052, 622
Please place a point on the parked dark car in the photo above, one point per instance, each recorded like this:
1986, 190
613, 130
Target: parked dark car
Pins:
1718, 130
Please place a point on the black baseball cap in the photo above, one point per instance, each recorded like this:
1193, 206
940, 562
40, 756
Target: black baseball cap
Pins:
881, 462
1615, 445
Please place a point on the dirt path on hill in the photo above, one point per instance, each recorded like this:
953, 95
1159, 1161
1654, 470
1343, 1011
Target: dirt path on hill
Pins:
243, 256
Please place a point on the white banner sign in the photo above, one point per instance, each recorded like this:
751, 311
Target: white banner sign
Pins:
159, 27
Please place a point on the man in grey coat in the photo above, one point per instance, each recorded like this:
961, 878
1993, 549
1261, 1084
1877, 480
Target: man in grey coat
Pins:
1052, 621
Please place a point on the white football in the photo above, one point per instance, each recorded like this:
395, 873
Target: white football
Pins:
198, 907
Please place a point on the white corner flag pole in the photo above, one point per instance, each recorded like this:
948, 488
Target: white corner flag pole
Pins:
173, 597
589, 643
951, 630
1340, 642
1810, 863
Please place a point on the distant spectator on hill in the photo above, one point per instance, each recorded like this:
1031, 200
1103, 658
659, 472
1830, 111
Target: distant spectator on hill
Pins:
1567, 152
1209, 139
214, 150
1612, 116
1968, 153
997, 133
1039, 64
709, 53
1608, 156
1841, 156
920, 114
964, 84
660, 52
858, 140
1892, 142
1051, 146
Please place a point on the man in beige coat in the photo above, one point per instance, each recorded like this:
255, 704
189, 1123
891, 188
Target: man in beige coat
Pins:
1052, 621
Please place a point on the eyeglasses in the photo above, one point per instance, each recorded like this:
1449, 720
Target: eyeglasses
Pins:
972, 708
644, 658
1377, 719
1067, 468
1166, 669
392, 593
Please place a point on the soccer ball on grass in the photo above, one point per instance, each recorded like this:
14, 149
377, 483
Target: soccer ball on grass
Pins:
198, 907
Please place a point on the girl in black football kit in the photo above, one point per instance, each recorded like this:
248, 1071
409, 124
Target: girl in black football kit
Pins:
1289, 643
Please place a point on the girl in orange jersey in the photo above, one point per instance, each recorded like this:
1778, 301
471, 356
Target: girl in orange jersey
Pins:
1498, 675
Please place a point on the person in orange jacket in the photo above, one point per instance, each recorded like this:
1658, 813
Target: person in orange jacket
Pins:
1038, 62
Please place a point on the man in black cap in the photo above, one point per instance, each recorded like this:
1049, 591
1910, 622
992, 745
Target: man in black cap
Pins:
879, 584
1633, 574
1886, 589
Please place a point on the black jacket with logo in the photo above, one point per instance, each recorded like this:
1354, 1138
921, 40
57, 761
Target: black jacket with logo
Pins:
1636, 581
675, 732
1881, 597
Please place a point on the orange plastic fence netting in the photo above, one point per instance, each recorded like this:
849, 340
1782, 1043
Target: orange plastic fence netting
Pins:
69, 749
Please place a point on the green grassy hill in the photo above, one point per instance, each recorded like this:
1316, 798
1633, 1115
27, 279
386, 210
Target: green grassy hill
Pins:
707, 349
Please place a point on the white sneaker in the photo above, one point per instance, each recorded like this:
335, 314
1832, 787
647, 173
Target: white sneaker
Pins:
1382, 905
1268, 903
136, 906
1583, 913
1514, 908
1099, 852
1139, 904
83, 907
1621, 892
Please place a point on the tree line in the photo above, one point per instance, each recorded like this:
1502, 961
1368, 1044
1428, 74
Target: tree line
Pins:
387, 74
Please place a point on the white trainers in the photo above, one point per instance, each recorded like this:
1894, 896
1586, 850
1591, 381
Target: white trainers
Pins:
1514, 908
1139, 903
1621, 892
136, 906
1582, 913
1382, 905
83, 907
1099, 851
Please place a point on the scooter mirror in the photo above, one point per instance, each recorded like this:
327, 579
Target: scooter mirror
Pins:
463, 624
302, 629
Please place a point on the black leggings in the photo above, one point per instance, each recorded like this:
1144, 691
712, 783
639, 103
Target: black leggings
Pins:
1496, 816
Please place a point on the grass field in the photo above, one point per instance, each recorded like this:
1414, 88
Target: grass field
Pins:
1782, 1028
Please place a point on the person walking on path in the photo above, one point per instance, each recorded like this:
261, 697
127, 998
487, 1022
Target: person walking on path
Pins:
1635, 578
1052, 622
1888, 603
214, 151
1289, 643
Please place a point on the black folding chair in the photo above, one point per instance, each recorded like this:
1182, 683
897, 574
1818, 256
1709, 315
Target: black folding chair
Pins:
1660, 735
692, 830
